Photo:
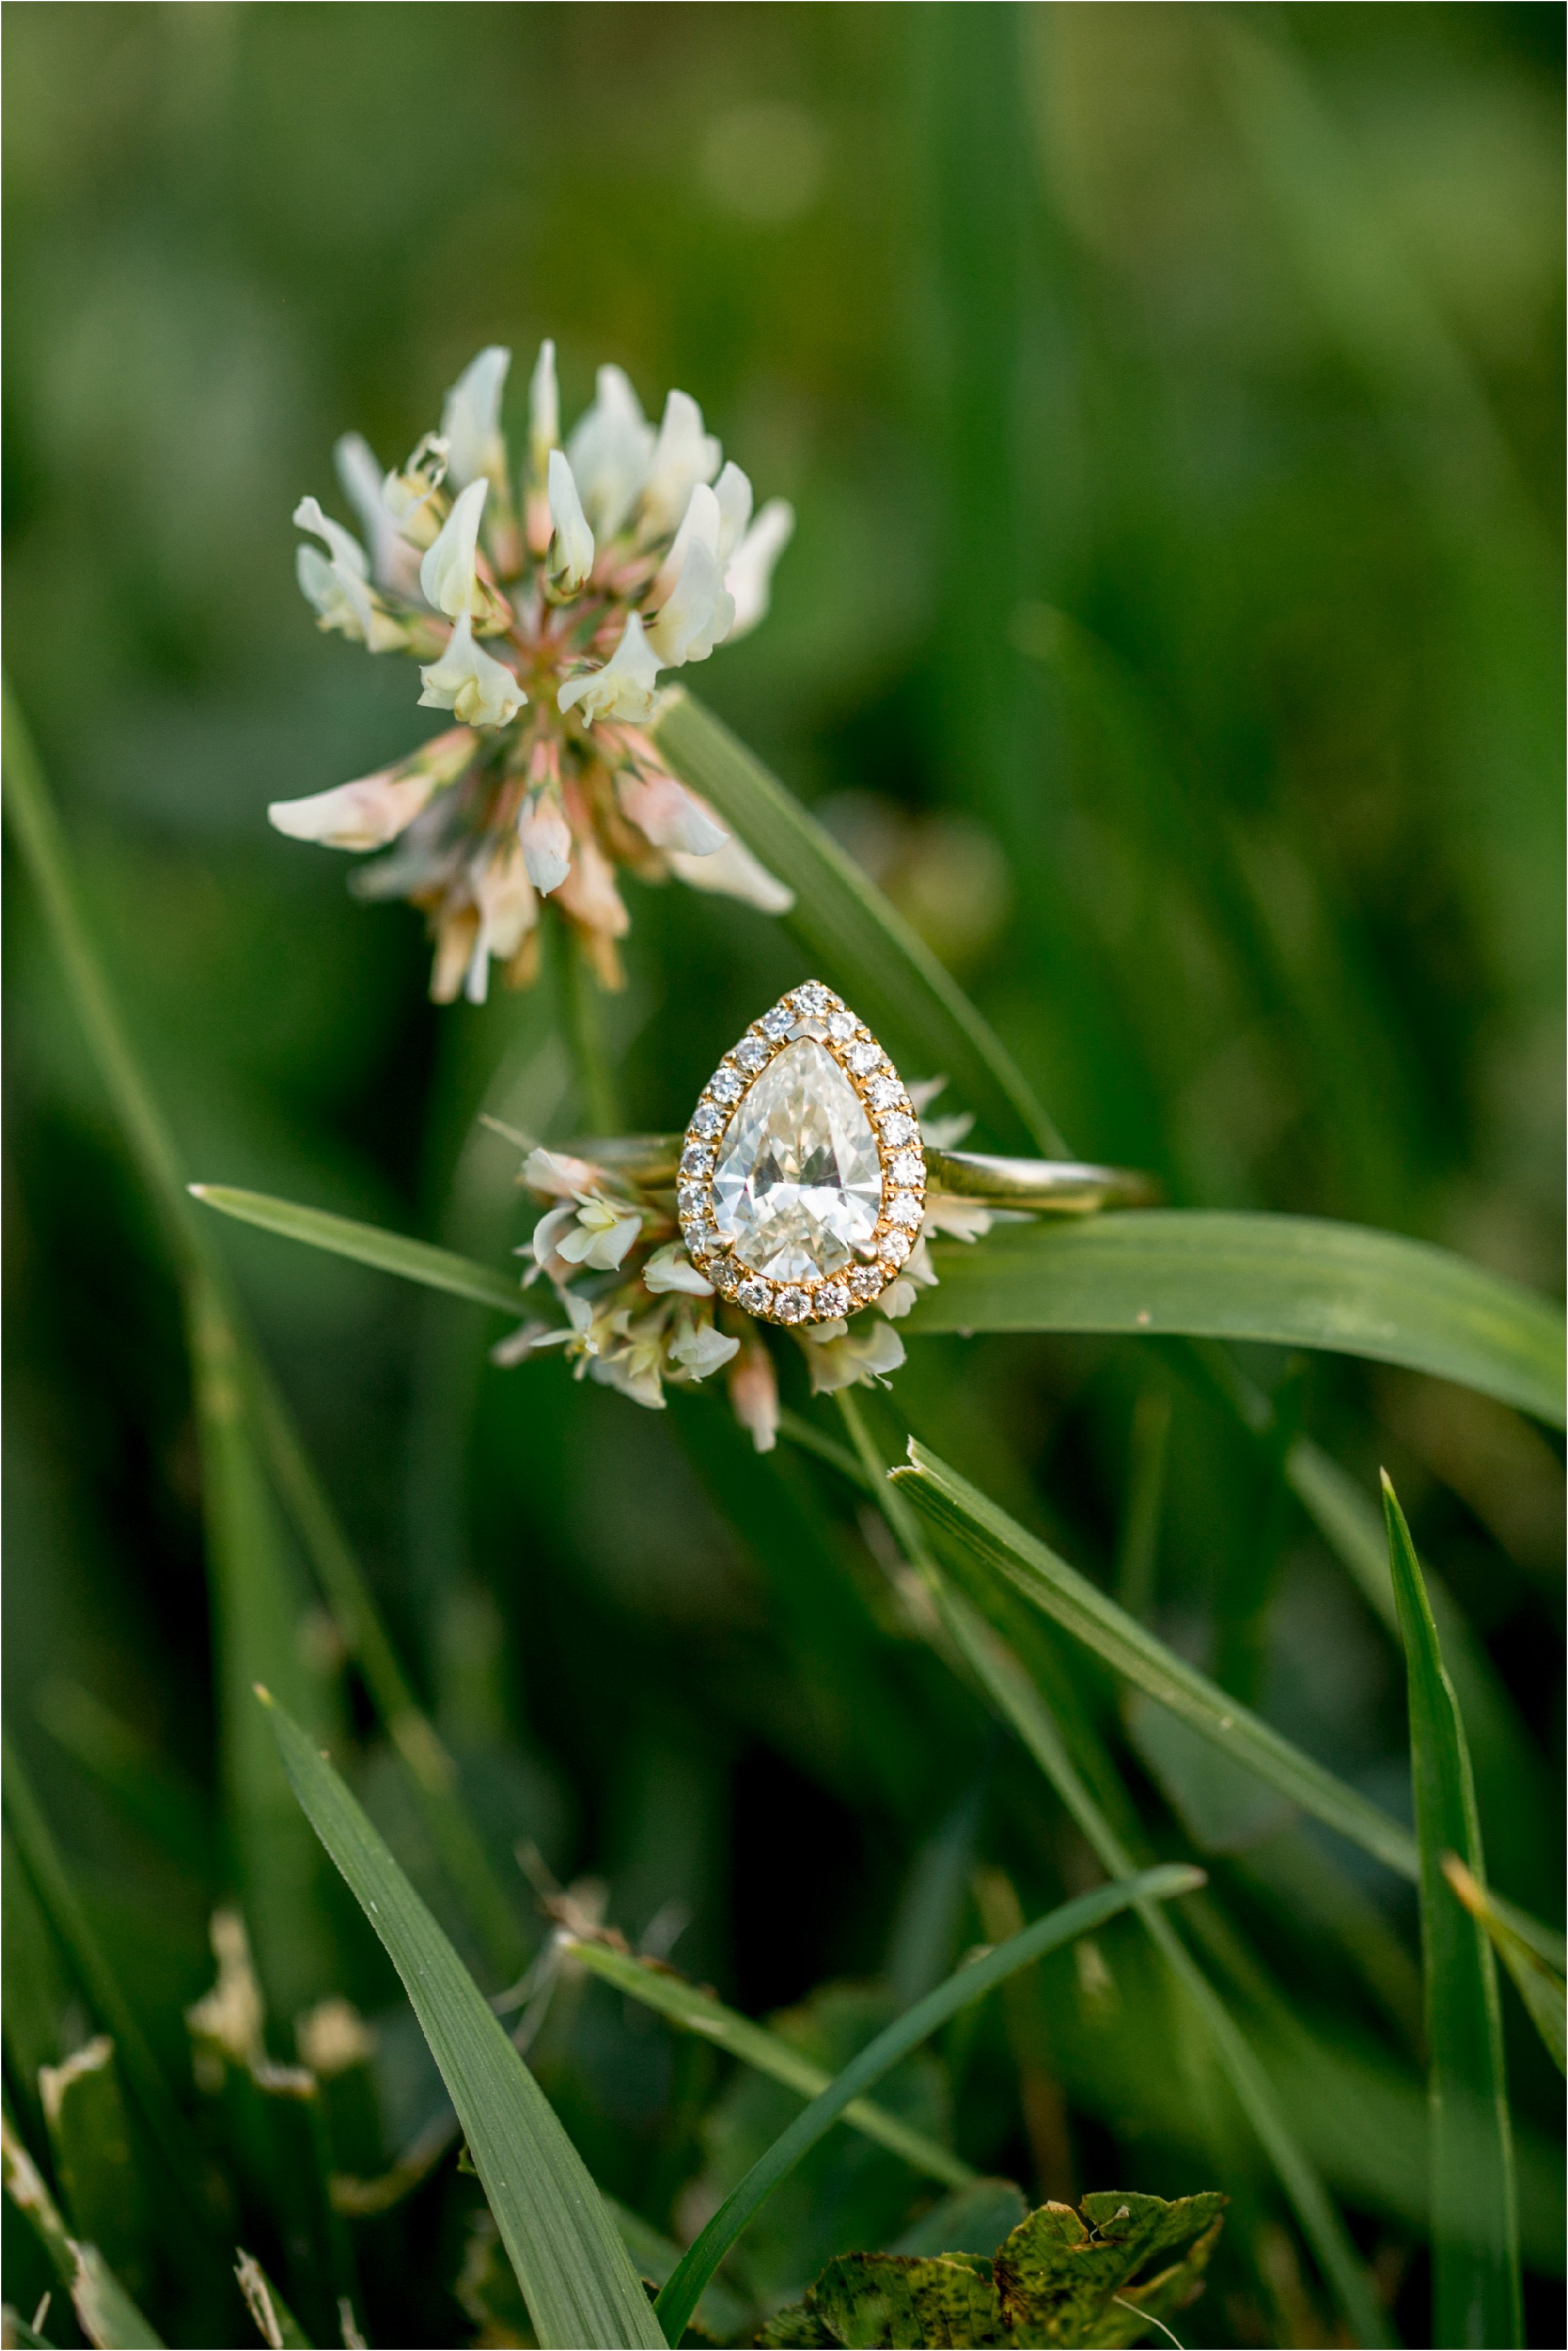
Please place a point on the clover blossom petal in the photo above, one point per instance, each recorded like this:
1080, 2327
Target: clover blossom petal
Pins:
466, 679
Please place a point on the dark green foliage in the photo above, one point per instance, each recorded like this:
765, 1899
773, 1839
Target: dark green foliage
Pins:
1059, 2277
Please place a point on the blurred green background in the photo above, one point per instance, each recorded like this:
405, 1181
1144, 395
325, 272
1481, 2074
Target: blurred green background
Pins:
1171, 399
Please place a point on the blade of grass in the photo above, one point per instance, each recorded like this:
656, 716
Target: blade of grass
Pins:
1295, 1281
1539, 1986
276, 2323
971, 1983
94, 2157
30, 812
698, 2011
1008, 1688
106, 2313
571, 2265
856, 940
1476, 2294
438, 1269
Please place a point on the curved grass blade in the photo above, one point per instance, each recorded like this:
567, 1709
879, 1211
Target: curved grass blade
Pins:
1477, 2291
1295, 1281
438, 1269
1539, 1986
971, 1983
698, 2011
976, 1649
856, 940
571, 2265
276, 2323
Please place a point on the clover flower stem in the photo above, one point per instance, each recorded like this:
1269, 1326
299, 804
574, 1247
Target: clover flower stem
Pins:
581, 1012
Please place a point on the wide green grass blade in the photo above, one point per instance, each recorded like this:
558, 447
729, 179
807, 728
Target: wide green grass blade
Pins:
436, 1268
856, 940
698, 2011
970, 1984
978, 1651
1001, 1546
1294, 1281
1539, 1986
571, 2265
1477, 2297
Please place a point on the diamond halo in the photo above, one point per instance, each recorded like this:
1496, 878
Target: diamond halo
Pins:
858, 1244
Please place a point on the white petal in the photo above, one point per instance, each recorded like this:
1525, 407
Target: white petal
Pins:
701, 1350
341, 545
547, 840
571, 554
683, 455
734, 872
704, 519
698, 613
669, 1268
733, 492
543, 409
669, 815
750, 573
609, 448
365, 814
623, 687
448, 574
471, 420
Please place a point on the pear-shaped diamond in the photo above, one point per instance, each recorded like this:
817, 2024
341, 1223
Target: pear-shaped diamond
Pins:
801, 1165
798, 1181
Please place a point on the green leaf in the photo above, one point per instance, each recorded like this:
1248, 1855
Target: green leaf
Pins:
1294, 1281
1538, 1985
438, 1269
697, 2012
1477, 2291
580, 2286
1065, 2279
999, 1546
971, 1983
856, 940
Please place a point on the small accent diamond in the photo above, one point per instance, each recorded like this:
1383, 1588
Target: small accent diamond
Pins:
724, 1086
907, 1167
710, 1120
905, 1209
692, 1197
751, 1053
754, 1296
864, 1058
899, 1129
699, 1236
812, 998
866, 1280
792, 1305
695, 1161
884, 1092
841, 1027
895, 1247
832, 1300
778, 1022
725, 1276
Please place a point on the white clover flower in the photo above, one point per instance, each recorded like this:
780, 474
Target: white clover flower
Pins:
669, 1268
466, 679
839, 1357
638, 553
604, 1234
571, 552
755, 1394
700, 1349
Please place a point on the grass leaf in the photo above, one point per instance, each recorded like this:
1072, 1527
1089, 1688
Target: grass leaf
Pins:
1474, 2224
1295, 1281
571, 2265
105, 2312
971, 1982
438, 1269
858, 942
1539, 1986
768, 2052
